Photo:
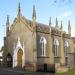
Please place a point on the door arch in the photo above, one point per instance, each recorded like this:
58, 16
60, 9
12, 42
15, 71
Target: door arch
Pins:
19, 57
9, 60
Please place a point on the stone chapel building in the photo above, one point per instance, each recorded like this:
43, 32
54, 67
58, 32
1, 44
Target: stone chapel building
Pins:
29, 43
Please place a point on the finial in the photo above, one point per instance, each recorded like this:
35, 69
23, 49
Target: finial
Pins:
69, 27
56, 22
34, 12
69, 23
7, 25
61, 25
7, 19
19, 1
50, 21
50, 24
19, 9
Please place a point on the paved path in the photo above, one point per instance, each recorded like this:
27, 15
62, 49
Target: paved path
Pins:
12, 72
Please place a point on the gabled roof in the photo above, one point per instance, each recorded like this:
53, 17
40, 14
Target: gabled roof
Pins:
40, 27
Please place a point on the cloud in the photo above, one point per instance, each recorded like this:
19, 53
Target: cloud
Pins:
65, 14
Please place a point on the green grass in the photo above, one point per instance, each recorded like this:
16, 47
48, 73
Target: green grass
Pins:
71, 72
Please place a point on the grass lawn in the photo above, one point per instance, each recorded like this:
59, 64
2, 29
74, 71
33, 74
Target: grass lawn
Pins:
71, 72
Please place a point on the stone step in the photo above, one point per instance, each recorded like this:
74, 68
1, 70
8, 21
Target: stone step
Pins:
62, 69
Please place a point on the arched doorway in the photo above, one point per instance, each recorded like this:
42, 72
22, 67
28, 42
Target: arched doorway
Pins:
9, 60
19, 57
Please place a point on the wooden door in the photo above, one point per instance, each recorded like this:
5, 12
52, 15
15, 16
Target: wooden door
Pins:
19, 57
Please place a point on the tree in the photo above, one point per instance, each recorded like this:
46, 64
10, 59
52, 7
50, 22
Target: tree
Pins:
2, 49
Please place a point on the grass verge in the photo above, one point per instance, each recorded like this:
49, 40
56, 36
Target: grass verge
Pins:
70, 72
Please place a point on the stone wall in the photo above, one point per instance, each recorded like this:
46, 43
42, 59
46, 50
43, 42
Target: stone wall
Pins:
71, 60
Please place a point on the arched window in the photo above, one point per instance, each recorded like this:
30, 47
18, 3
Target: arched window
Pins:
43, 43
56, 47
66, 47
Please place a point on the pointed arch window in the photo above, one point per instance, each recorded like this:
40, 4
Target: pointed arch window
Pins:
56, 47
43, 43
66, 47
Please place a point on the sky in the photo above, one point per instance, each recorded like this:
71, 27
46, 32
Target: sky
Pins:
62, 9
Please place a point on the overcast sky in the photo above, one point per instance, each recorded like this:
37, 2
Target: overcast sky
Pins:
63, 9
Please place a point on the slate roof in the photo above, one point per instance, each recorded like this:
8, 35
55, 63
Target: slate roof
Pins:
42, 27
